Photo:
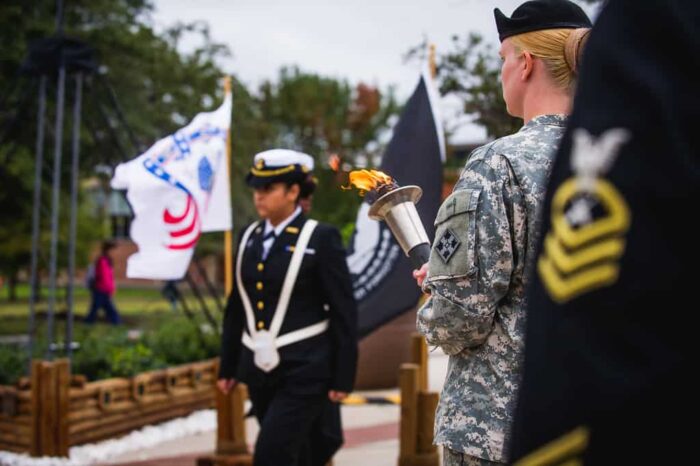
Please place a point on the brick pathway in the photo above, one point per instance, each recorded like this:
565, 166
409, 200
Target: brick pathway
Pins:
354, 438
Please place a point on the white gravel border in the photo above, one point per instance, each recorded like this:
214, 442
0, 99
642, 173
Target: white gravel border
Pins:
85, 455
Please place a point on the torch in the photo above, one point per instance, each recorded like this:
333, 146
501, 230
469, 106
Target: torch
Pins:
396, 205
398, 209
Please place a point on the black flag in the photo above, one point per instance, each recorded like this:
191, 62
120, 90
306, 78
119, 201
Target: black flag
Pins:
383, 285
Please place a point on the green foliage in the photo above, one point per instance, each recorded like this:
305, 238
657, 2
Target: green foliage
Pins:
94, 357
152, 337
332, 204
321, 115
15, 243
178, 341
130, 360
145, 89
157, 88
470, 70
346, 232
12, 364
107, 351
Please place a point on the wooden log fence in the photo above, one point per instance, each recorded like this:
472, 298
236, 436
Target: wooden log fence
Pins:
231, 440
53, 410
418, 406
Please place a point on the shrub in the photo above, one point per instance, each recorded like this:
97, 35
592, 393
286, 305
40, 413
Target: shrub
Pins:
107, 351
94, 357
12, 364
130, 360
180, 341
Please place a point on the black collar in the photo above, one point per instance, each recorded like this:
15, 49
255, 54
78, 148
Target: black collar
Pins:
289, 235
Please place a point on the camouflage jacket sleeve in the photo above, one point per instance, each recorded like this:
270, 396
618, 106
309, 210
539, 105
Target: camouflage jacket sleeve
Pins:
472, 258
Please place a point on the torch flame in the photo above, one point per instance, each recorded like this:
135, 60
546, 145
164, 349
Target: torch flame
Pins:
364, 180
367, 180
334, 162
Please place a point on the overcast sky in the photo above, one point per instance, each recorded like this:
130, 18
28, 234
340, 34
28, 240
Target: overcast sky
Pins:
359, 40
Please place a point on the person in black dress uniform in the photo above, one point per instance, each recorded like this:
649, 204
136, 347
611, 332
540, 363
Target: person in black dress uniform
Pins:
609, 347
290, 328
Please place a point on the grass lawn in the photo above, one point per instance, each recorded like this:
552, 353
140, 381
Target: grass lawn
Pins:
128, 301
134, 305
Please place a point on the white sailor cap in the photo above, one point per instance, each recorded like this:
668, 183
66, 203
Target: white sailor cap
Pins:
275, 165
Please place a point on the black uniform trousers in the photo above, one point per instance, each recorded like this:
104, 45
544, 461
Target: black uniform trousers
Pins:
299, 425
291, 425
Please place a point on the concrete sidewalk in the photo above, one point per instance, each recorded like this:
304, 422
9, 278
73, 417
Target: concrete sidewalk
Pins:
371, 432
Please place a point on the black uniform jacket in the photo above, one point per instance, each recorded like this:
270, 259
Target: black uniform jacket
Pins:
608, 371
323, 290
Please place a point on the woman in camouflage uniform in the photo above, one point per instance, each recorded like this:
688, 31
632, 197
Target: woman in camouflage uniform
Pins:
485, 235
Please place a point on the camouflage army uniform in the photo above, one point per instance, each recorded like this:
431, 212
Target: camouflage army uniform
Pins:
484, 238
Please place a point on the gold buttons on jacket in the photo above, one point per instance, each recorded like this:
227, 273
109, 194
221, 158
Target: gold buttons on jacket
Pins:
261, 325
261, 305
261, 266
259, 286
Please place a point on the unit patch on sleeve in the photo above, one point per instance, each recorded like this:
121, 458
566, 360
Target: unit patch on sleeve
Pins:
447, 245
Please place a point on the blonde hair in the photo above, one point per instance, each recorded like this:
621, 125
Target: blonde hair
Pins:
559, 49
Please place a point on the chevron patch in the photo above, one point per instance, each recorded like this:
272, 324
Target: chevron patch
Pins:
589, 220
356, 400
566, 450
582, 251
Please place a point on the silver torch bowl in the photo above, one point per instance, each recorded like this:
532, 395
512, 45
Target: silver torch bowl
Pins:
398, 209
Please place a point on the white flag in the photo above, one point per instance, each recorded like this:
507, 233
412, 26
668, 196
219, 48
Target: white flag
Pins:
177, 189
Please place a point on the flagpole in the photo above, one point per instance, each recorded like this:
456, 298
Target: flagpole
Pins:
228, 234
431, 61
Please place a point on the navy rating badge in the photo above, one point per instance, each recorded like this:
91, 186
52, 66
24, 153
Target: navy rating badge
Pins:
589, 219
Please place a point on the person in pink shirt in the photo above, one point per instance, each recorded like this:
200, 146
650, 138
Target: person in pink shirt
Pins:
101, 284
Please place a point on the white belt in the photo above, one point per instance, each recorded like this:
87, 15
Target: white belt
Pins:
291, 337
265, 343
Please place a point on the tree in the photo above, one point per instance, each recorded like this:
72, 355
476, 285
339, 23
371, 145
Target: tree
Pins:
15, 245
470, 70
144, 89
323, 116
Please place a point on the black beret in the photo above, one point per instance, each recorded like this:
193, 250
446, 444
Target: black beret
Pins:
536, 15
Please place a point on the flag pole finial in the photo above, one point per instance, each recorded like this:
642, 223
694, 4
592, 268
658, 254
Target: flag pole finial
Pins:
431, 60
